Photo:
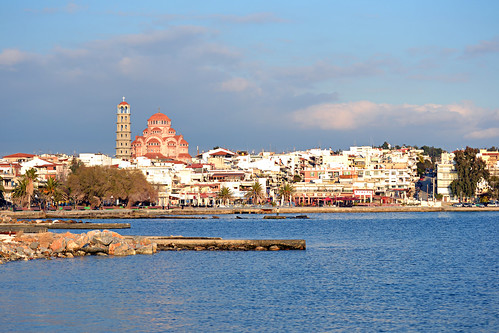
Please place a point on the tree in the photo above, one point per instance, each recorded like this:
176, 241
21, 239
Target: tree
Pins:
296, 178
19, 194
225, 195
88, 184
470, 170
51, 190
93, 185
494, 187
286, 192
432, 152
2, 189
130, 186
75, 165
30, 177
255, 193
422, 165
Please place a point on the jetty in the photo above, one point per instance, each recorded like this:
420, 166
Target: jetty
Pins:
177, 243
34, 227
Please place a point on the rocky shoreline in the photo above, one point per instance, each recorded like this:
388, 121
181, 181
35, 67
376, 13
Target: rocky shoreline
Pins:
48, 245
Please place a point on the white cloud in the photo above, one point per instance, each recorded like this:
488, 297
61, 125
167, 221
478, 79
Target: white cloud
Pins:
238, 84
484, 134
484, 47
366, 115
11, 57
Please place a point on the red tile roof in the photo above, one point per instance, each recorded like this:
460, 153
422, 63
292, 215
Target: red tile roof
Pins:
155, 156
19, 155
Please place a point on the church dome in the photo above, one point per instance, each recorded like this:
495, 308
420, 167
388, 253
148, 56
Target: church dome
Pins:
159, 116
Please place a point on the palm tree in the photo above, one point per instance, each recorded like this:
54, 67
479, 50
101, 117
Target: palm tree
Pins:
19, 194
225, 195
286, 192
51, 189
2, 189
30, 177
256, 193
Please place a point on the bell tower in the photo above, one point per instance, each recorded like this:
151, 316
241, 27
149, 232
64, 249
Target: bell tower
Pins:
123, 131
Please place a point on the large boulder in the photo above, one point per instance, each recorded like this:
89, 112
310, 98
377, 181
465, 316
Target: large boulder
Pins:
58, 245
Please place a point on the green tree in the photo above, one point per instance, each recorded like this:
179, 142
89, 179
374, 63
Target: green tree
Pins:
286, 192
256, 193
93, 185
130, 186
225, 195
385, 145
470, 170
75, 165
51, 191
88, 185
422, 165
494, 187
432, 152
2, 189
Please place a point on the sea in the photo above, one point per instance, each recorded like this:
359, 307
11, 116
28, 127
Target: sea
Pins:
361, 272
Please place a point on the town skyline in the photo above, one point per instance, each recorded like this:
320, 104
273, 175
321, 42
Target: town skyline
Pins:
262, 76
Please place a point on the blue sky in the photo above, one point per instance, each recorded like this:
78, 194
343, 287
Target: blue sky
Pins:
252, 75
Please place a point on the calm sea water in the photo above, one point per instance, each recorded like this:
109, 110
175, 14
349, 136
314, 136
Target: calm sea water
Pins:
421, 272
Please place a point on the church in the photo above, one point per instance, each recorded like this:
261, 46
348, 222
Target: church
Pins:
158, 141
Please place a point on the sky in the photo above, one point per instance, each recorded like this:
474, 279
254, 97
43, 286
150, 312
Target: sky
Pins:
250, 75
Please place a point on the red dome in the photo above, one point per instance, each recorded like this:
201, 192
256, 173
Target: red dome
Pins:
124, 103
159, 116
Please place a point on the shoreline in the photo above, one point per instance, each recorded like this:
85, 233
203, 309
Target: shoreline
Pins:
169, 213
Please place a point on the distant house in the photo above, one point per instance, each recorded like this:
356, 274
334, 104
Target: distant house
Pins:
19, 157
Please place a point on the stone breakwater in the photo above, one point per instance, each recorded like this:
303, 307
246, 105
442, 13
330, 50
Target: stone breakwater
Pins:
48, 245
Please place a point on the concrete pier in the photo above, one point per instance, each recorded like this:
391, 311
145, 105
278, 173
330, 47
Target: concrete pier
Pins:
219, 244
42, 227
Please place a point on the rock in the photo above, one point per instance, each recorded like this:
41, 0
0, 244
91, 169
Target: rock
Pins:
103, 238
69, 255
92, 249
145, 249
123, 250
58, 245
34, 245
274, 248
45, 238
113, 247
260, 248
72, 245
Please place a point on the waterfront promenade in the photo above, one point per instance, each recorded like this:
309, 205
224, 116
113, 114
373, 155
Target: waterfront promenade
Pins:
123, 213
